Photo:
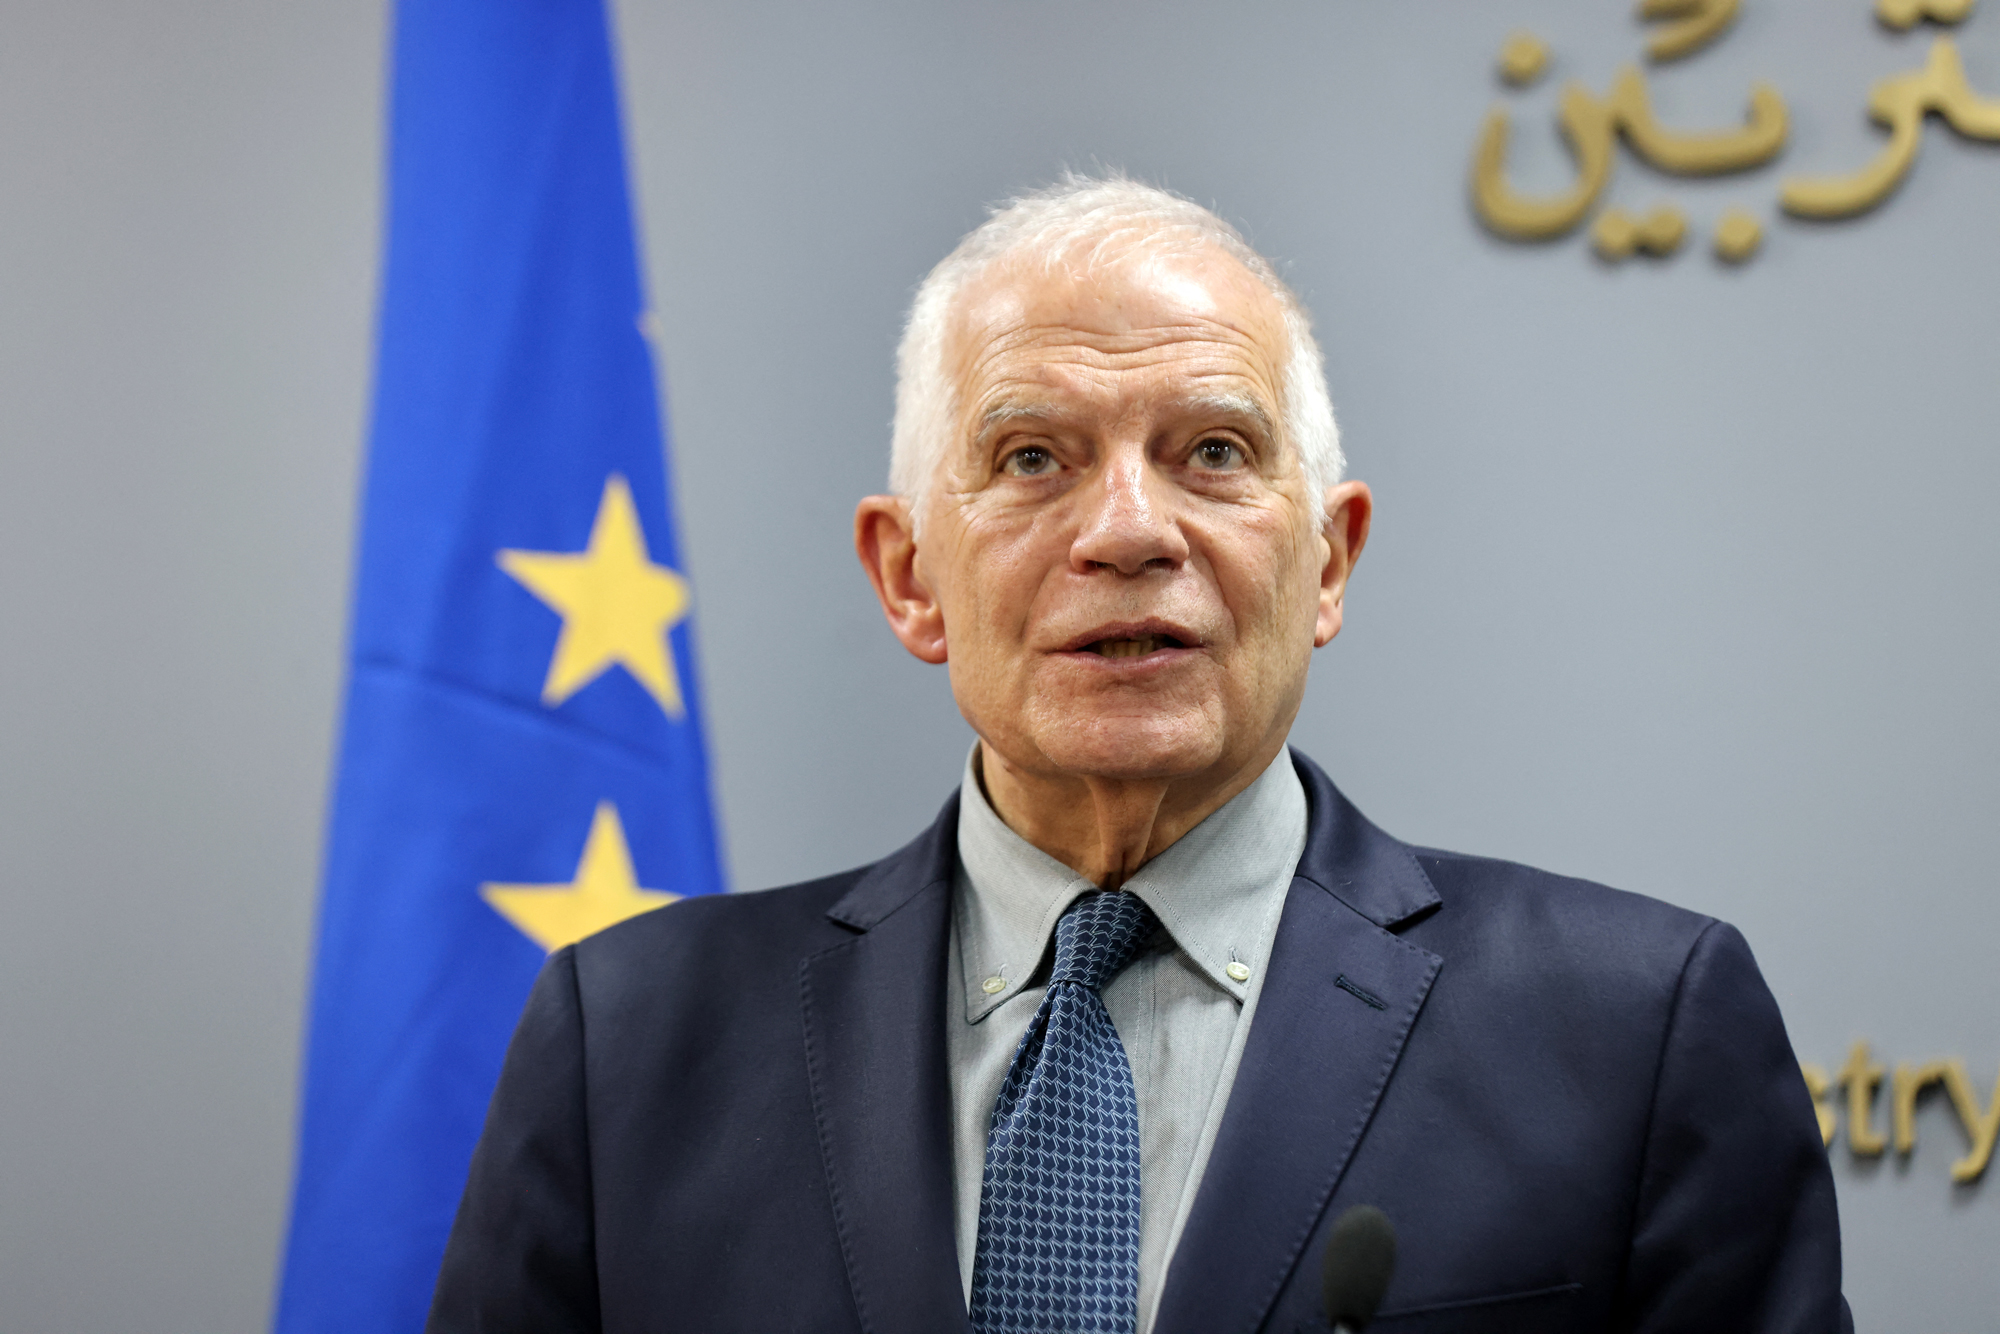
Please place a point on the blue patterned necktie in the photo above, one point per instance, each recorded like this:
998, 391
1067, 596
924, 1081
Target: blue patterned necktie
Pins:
1058, 1249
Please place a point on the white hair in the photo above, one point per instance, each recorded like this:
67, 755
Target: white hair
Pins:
1089, 220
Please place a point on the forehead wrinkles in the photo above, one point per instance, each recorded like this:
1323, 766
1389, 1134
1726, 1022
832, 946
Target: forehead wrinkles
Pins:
1000, 339
1139, 300
1060, 358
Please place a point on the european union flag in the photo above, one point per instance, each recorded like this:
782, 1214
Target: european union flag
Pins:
522, 761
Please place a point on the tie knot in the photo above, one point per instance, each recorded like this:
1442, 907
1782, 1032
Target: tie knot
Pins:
1098, 935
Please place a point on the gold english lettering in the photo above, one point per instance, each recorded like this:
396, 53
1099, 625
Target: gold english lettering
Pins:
1862, 1077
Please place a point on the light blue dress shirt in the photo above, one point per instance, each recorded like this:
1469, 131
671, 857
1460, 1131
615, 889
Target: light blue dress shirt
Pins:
1183, 1009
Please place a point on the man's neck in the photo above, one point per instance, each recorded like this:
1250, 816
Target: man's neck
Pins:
1105, 829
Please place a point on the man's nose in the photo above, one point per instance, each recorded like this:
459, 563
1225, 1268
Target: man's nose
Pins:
1129, 522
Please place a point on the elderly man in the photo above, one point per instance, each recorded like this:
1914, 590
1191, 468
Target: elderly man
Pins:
1112, 1044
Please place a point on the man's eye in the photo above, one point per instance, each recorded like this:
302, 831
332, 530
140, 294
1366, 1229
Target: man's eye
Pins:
1217, 454
1031, 462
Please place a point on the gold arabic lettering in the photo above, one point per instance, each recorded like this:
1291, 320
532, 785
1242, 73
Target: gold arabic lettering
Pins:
1699, 23
1592, 125
1900, 102
1908, 13
1737, 235
1617, 234
1699, 154
1589, 125
1523, 58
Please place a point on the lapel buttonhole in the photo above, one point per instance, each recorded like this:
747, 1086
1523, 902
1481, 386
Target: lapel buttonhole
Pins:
1363, 994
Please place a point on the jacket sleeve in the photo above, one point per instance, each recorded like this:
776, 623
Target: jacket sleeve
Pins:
1736, 1228
522, 1254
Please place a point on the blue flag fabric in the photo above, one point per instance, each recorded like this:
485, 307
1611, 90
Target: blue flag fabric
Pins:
522, 760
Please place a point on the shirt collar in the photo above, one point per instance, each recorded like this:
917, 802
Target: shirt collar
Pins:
1215, 890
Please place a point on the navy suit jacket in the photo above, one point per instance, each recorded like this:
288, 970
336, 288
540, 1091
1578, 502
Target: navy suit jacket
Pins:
1578, 1107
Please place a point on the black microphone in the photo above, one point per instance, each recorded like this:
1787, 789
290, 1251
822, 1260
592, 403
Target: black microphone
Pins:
1360, 1256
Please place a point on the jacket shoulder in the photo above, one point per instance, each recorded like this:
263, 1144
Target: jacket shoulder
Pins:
711, 936
1496, 876
1529, 921
739, 951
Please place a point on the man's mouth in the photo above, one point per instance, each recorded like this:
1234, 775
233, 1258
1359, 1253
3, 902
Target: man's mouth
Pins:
1132, 648
1126, 640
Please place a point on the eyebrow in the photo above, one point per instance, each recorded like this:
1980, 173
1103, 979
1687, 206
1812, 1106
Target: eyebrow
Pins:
1001, 414
1231, 404
1234, 404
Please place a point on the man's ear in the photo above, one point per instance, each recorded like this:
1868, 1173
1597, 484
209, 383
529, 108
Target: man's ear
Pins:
886, 540
1349, 507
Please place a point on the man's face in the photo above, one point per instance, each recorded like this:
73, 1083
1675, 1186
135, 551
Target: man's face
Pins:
1129, 570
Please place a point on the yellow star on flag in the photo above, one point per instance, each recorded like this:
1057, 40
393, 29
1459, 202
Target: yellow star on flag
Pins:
617, 606
604, 893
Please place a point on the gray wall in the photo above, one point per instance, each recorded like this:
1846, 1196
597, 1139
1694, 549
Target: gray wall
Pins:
1682, 576
188, 199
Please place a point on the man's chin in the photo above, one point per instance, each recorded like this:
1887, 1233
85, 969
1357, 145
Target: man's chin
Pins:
1132, 749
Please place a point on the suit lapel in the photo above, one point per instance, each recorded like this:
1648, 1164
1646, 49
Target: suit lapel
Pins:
1340, 997
873, 1009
